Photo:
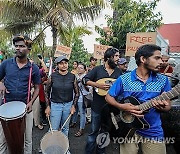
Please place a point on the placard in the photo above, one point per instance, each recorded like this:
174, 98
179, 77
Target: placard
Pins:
62, 51
135, 40
99, 50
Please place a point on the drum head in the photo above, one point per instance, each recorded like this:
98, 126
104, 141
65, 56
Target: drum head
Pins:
54, 143
12, 110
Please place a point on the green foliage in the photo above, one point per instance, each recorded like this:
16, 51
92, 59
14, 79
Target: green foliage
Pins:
25, 16
5, 47
129, 16
79, 53
73, 33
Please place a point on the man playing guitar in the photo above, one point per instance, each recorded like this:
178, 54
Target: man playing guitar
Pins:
144, 84
108, 70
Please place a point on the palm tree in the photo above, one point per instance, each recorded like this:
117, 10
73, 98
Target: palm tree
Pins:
17, 16
73, 33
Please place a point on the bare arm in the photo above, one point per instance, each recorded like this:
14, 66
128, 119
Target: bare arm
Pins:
34, 96
43, 65
35, 93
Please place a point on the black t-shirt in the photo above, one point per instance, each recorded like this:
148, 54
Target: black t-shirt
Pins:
95, 74
62, 87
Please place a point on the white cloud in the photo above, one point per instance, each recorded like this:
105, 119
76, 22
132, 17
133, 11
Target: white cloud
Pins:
170, 10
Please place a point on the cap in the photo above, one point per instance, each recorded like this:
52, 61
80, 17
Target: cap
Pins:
122, 61
60, 58
24, 38
92, 58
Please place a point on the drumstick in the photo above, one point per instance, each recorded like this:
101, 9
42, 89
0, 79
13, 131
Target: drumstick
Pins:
50, 124
66, 121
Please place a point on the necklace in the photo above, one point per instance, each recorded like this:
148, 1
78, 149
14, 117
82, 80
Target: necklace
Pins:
140, 77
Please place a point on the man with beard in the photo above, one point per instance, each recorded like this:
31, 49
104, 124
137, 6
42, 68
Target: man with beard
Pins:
166, 68
108, 70
144, 83
16, 73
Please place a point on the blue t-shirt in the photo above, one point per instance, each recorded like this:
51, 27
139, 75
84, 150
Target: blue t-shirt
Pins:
16, 79
129, 85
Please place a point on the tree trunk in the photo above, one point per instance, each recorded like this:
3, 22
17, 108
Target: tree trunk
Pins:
54, 34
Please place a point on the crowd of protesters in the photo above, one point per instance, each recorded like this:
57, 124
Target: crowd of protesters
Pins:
61, 94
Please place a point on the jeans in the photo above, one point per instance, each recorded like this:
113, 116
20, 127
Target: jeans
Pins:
91, 140
59, 114
82, 112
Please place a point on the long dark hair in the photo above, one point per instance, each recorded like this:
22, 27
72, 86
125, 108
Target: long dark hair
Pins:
109, 55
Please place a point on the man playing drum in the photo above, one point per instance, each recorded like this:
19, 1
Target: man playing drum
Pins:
18, 73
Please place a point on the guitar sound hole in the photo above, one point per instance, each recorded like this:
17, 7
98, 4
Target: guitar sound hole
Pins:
126, 117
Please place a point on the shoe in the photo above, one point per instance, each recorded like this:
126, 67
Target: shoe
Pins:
40, 127
44, 122
79, 133
88, 122
40, 151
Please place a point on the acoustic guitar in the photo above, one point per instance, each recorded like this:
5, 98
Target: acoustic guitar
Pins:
108, 81
123, 124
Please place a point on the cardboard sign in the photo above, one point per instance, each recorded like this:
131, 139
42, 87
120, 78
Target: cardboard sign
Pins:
135, 40
99, 50
62, 51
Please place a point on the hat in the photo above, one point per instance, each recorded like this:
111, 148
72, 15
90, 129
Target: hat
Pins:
60, 58
24, 38
122, 61
92, 58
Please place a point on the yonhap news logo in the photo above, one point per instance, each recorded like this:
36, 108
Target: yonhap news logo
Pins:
121, 140
103, 140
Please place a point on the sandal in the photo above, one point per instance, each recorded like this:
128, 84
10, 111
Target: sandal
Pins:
79, 133
40, 127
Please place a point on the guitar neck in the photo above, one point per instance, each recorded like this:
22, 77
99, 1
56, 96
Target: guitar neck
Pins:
164, 96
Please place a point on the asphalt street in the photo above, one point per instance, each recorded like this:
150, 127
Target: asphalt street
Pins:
77, 144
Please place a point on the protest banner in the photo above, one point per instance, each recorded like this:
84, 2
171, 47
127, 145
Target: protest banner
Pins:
99, 50
135, 40
62, 51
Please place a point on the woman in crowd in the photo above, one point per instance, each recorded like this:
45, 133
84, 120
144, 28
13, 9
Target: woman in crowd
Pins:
59, 91
75, 65
81, 69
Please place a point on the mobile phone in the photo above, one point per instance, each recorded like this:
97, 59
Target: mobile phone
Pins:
39, 56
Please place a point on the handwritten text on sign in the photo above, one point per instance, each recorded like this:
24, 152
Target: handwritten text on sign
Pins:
135, 40
99, 50
62, 51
